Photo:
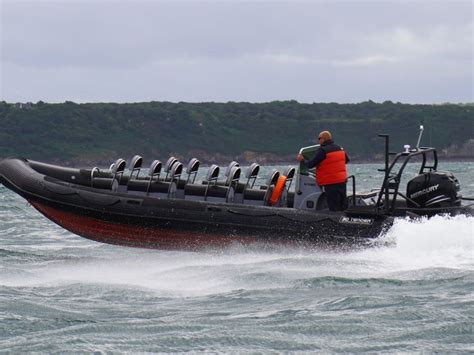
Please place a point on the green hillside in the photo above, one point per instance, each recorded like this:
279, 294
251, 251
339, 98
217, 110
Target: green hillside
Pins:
100, 132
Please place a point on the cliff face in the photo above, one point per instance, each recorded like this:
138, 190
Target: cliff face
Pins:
463, 151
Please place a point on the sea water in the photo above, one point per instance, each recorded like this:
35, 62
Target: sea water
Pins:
411, 291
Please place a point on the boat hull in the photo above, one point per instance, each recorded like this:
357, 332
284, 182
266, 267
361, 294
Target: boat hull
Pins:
136, 235
143, 221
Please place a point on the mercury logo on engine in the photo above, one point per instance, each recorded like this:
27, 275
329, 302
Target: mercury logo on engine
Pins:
354, 220
424, 191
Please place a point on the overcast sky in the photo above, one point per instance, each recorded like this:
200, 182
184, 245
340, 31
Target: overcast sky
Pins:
256, 51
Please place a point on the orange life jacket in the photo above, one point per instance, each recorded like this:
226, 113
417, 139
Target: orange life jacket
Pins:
332, 170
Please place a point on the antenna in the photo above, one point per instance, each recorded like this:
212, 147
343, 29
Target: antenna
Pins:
419, 138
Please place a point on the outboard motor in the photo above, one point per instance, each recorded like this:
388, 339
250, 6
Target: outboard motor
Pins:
433, 190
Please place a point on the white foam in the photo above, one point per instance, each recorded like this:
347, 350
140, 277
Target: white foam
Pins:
438, 242
410, 248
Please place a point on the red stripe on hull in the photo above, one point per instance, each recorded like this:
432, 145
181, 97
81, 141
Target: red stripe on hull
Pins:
122, 234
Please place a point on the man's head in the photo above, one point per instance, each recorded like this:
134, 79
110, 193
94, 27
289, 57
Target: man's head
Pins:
324, 136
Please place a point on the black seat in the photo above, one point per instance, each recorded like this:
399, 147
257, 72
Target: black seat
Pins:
117, 168
227, 172
283, 183
168, 189
113, 178
212, 176
191, 170
211, 188
154, 185
290, 175
94, 172
233, 176
105, 183
255, 195
153, 173
251, 174
206, 191
204, 188
271, 182
262, 195
213, 173
273, 177
155, 169
230, 166
135, 166
175, 171
169, 163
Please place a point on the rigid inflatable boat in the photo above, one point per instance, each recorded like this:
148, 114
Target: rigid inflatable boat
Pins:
166, 208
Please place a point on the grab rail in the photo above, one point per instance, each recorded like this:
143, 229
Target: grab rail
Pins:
353, 188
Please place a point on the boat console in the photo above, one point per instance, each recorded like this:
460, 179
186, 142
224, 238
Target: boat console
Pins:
308, 195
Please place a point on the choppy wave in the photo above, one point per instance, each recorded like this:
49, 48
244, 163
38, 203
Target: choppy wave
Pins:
410, 291
409, 250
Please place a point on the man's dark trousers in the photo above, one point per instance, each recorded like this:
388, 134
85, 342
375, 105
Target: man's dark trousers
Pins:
336, 196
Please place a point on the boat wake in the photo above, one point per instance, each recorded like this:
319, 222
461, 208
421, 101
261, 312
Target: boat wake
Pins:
441, 241
410, 250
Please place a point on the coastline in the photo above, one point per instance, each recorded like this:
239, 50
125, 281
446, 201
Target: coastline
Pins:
222, 160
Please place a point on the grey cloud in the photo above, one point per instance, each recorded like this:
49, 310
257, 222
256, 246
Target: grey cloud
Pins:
253, 51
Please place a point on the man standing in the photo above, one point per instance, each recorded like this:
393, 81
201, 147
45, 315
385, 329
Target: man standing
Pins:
330, 162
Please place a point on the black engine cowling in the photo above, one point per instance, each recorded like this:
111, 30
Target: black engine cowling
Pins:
433, 190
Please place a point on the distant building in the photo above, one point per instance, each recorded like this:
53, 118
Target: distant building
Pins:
25, 106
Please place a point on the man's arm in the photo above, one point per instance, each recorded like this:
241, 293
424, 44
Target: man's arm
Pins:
347, 158
318, 158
